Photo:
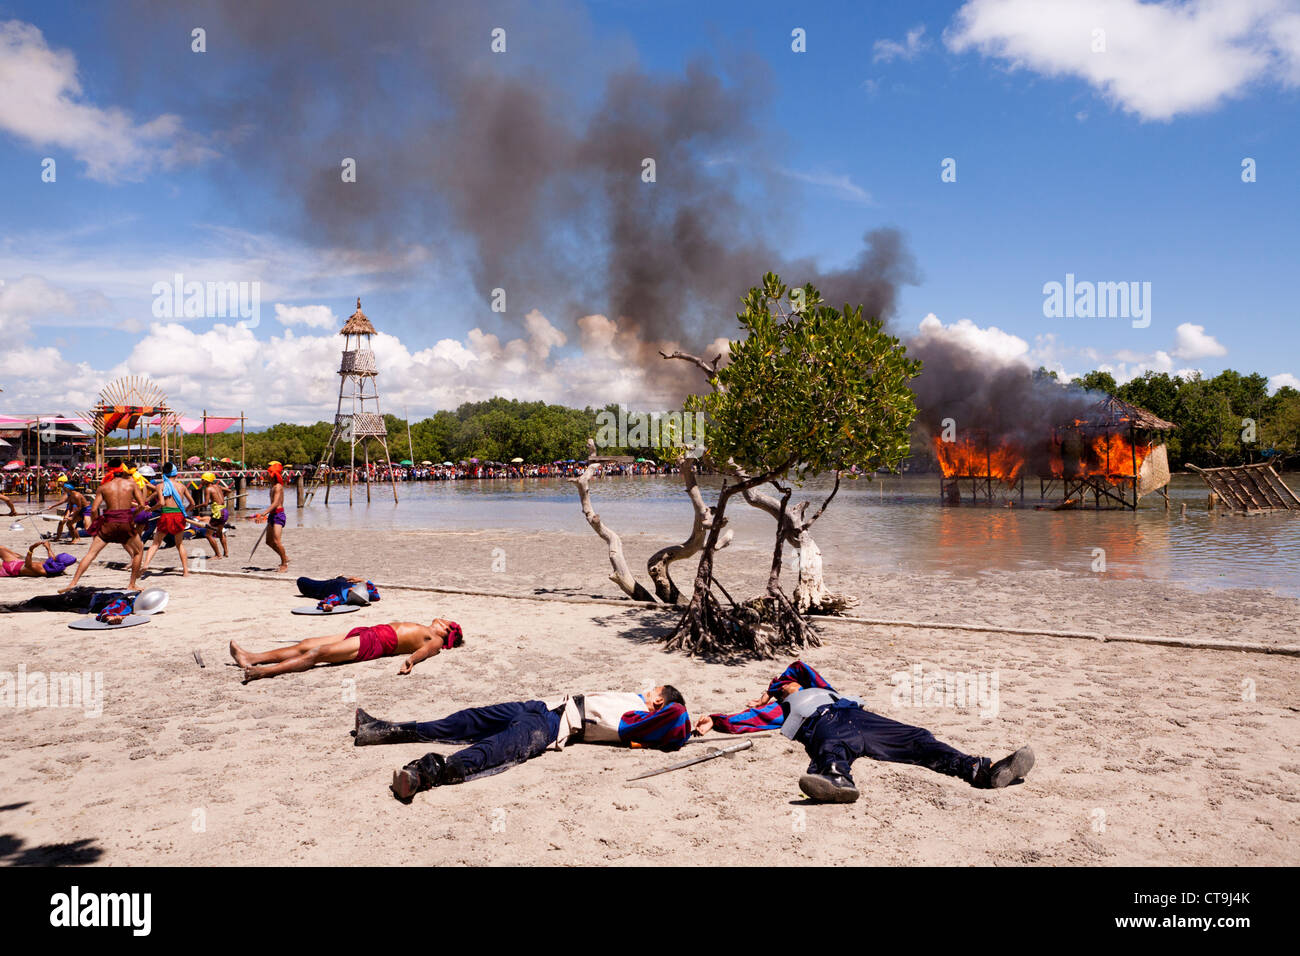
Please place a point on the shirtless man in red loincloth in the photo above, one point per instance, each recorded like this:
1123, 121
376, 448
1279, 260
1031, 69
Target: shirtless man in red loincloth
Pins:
120, 498
359, 644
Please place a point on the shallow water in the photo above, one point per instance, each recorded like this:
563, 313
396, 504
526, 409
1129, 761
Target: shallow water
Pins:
895, 523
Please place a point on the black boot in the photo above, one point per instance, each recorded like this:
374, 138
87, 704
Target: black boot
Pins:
418, 776
371, 731
833, 786
1005, 772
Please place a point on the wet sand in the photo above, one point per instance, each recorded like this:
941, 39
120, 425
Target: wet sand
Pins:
1146, 755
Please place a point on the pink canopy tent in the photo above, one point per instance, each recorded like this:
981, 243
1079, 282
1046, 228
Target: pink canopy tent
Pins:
195, 426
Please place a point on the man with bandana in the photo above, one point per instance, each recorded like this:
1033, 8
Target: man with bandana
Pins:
173, 500
418, 641
275, 514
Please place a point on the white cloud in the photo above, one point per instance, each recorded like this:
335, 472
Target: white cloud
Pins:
837, 183
41, 103
840, 184
1282, 380
1193, 343
30, 299
315, 316
997, 347
883, 51
294, 376
1161, 59
992, 344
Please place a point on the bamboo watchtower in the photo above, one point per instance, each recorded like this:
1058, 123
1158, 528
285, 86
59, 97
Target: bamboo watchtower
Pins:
357, 420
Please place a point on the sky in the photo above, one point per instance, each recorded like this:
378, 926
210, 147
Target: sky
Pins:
1009, 144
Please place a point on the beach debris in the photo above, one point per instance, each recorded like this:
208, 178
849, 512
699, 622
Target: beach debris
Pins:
713, 753
198, 659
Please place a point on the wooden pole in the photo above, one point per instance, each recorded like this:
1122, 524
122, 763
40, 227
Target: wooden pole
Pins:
243, 454
365, 450
298, 485
410, 445
40, 484
1132, 445
205, 436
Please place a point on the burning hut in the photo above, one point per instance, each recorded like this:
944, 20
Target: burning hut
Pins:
1116, 453
1113, 452
982, 465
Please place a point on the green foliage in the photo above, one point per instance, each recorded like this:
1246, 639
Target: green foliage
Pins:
498, 429
810, 387
1097, 382
1211, 415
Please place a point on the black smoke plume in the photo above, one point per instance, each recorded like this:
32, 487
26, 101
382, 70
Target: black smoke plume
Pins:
524, 167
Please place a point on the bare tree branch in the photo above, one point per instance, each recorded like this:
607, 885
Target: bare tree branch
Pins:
709, 368
622, 575
657, 566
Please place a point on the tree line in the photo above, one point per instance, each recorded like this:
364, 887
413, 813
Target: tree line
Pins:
498, 429
1229, 419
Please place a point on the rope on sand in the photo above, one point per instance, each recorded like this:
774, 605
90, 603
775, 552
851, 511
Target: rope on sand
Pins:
1254, 647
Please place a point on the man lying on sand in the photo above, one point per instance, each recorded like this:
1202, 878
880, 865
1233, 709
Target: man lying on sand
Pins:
359, 644
503, 735
836, 731
14, 565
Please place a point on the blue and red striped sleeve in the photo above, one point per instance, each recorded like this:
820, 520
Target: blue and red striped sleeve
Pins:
749, 721
667, 728
798, 673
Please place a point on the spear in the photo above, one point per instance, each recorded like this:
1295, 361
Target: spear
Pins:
259, 539
744, 745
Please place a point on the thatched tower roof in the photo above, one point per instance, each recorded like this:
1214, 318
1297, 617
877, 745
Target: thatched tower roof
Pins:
357, 323
1112, 411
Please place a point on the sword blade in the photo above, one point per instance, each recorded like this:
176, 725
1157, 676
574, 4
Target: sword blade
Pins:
734, 748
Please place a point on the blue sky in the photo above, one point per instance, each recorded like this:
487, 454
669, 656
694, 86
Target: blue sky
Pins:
1121, 164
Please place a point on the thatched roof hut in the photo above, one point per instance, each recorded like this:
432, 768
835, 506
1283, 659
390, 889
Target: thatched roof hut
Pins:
357, 323
1111, 412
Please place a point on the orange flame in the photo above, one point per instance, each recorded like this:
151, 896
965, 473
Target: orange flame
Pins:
1108, 455
1074, 454
967, 458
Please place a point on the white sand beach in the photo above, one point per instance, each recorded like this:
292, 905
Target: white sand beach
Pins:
1146, 754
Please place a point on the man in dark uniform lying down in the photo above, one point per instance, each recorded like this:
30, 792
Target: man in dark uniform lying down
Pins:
503, 735
837, 730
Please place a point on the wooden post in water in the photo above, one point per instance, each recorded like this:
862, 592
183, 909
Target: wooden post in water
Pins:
40, 483
1132, 445
243, 454
298, 486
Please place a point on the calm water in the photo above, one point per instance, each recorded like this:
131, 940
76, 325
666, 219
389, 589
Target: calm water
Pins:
896, 523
